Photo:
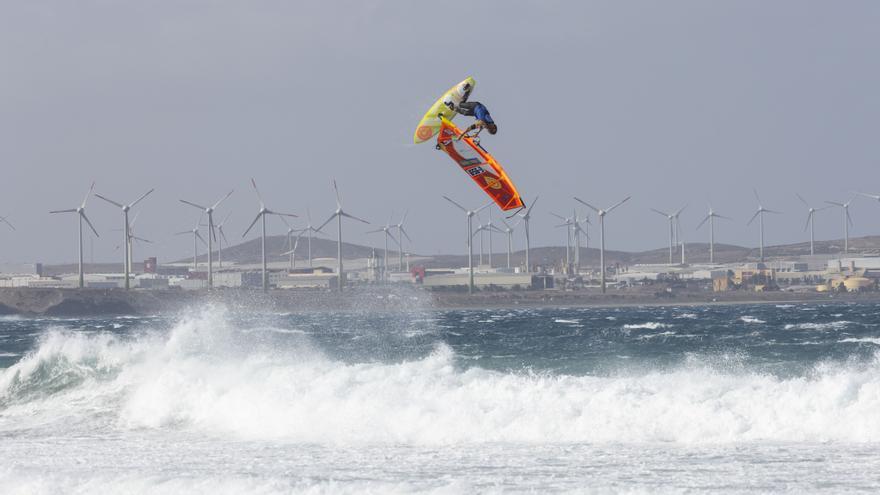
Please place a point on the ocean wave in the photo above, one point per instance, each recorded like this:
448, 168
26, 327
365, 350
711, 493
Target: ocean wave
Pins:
651, 325
199, 378
751, 319
863, 340
833, 325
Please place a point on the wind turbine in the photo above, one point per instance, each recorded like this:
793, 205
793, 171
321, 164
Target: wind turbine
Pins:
309, 230
508, 229
338, 215
401, 233
196, 238
131, 238
578, 230
386, 230
261, 215
674, 225
126, 261
222, 239
291, 243
811, 213
81, 213
760, 215
601, 214
470, 238
212, 235
711, 219
847, 222
525, 219
567, 223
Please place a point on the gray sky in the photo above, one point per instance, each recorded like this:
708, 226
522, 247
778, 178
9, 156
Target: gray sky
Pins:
673, 102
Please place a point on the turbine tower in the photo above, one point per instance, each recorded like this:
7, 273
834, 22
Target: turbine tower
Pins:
847, 222
261, 215
196, 238
711, 219
811, 214
470, 238
81, 214
212, 235
760, 215
338, 215
526, 216
601, 214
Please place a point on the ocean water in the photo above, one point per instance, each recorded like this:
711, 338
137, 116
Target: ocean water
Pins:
720, 399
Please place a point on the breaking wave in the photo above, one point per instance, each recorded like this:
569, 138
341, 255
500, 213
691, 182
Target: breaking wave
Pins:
204, 376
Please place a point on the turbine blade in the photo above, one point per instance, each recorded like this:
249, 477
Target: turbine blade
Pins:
374, 231
259, 197
83, 213
679, 211
703, 221
338, 196
403, 220
223, 235
872, 196
804, 201
403, 231
199, 237
354, 217
193, 204
756, 195
558, 216
667, 215
4, 220
221, 224
835, 203
222, 200
85, 199
722, 216
490, 203
71, 210
849, 218
184, 232
144, 195
326, 222
141, 239
753, 217
462, 208
622, 201
588, 205
809, 216
109, 200
773, 211
252, 224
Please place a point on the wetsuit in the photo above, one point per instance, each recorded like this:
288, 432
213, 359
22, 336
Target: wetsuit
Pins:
475, 109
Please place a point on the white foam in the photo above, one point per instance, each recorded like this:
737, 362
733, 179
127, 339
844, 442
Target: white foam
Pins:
199, 380
834, 325
651, 325
751, 319
866, 340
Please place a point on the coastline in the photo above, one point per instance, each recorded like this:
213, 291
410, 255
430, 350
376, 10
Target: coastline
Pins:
99, 302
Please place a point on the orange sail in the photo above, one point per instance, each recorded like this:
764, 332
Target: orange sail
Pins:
479, 165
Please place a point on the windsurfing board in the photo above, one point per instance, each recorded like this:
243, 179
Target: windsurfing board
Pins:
431, 123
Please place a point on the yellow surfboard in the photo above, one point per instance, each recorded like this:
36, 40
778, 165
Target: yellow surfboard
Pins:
430, 124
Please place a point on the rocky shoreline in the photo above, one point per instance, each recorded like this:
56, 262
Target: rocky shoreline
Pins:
98, 302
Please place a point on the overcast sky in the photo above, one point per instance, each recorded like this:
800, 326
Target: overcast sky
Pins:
671, 102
